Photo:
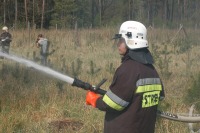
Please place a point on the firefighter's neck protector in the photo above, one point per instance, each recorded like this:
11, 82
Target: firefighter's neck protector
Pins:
141, 55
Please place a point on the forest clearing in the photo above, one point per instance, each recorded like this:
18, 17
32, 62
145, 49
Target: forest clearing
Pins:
34, 102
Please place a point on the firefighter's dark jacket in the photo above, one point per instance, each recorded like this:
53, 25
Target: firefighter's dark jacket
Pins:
8, 38
131, 103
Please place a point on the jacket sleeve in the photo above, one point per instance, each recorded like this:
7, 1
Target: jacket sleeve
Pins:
121, 90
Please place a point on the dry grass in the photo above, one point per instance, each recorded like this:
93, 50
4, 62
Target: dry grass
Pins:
33, 102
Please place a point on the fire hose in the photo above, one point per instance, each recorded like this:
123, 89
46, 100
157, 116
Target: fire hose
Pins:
188, 118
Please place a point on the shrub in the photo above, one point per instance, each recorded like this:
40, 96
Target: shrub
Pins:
194, 93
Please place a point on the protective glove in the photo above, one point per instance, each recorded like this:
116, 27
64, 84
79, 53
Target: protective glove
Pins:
91, 98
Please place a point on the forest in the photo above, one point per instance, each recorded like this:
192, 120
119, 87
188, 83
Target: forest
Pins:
97, 13
79, 36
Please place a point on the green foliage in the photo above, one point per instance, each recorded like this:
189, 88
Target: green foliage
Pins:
2, 72
155, 51
163, 105
93, 69
97, 13
164, 67
64, 68
76, 68
60, 85
193, 94
26, 76
76, 40
162, 61
0, 106
110, 68
19, 127
183, 45
63, 14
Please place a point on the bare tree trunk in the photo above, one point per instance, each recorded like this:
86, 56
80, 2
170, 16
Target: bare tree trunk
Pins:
93, 13
42, 19
129, 9
185, 8
148, 14
172, 12
165, 10
132, 10
33, 18
16, 11
26, 13
4, 13
100, 12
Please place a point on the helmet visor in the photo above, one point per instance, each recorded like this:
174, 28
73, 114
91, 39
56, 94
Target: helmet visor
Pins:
117, 36
119, 41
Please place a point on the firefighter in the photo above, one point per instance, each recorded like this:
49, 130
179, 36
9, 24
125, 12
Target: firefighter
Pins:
131, 102
42, 43
5, 39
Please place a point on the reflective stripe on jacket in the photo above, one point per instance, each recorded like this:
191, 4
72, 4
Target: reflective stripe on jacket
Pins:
131, 103
151, 88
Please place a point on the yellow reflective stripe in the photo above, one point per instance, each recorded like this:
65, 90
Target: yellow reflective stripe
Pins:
147, 88
112, 104
150, 99
117, 99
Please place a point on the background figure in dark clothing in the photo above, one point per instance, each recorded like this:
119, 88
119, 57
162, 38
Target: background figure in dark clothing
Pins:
42, 43
6, 38
132, 101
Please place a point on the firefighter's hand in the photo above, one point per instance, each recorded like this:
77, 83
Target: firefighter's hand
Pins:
91, 98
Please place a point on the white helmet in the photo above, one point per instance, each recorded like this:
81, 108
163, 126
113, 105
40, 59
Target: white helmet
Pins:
134, 34
5, 28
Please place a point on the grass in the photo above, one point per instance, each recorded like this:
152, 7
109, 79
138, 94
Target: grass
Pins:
33, 102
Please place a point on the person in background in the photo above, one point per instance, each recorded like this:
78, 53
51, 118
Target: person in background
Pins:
131, 103
5, 39
42, 43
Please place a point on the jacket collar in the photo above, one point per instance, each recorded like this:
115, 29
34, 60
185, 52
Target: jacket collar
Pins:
140, 55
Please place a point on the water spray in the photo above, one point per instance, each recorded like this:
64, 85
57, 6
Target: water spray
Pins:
38, 67
72, 81
188, 118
